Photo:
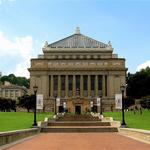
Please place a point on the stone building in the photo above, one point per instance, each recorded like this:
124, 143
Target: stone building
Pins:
78, 70
12, 91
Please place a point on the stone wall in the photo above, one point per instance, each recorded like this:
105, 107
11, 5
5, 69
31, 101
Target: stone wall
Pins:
11, 136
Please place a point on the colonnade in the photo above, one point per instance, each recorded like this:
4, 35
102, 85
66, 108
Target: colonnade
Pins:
98, 85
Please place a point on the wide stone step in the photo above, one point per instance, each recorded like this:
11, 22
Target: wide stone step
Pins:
80, 129
79, 123
75, 117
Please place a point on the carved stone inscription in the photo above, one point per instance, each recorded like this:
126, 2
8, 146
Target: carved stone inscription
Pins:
77, 64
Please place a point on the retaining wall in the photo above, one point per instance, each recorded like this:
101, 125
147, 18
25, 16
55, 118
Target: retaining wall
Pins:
11, 136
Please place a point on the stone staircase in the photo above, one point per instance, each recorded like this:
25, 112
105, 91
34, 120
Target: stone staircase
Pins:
78, 123
76, 117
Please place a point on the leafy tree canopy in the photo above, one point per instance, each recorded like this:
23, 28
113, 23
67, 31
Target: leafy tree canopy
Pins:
27, 102
21, 81
138, 84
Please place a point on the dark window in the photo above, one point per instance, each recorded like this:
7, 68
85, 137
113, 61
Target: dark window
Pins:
85, 82
99, 82
55, 82
63, 82
92, 82
70, 78
77, 82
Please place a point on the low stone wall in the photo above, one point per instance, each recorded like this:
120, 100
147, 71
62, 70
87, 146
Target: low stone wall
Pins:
11, 136
139, 134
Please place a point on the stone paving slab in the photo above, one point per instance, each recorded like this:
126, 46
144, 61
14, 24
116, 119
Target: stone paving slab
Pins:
80, 141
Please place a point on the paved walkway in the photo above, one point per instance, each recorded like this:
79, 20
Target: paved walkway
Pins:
80, 141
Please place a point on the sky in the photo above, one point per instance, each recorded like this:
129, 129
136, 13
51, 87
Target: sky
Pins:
26, 24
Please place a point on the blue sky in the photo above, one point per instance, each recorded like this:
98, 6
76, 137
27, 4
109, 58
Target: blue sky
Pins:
26, 24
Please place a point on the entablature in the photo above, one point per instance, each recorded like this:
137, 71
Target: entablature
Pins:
76, 64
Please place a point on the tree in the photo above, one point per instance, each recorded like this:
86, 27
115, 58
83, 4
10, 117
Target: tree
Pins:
7, 104
21, 81
138, 84
129, 101
145, 102
27, 102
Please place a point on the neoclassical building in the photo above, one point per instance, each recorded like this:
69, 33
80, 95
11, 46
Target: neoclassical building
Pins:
11, 91
78, 70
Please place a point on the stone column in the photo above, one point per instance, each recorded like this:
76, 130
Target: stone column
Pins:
103, 86
66, 85
96, 85
89, 85
81, 85
59, 85
74, 85
51, 88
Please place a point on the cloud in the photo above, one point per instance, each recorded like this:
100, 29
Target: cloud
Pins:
19, 47
21, 69
143, 65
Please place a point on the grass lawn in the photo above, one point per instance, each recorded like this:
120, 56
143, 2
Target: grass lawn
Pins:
19, 120
133, 121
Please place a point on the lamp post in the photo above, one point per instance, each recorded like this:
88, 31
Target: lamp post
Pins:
35, 91
123, 117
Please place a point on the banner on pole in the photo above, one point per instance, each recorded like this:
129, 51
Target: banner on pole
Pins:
64, 105
98, 101
91, 103
39, 101
57, 101
118, 101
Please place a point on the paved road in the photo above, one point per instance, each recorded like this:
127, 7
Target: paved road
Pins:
80, 141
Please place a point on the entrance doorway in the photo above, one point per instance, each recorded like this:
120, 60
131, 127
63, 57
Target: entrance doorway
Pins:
78, 110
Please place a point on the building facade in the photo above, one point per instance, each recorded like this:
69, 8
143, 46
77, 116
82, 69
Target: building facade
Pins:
78, 70
11, 91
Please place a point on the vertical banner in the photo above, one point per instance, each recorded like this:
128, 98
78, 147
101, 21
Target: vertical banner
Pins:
39, 101
98, 101
57, 101
118, 101
91, 103
64, 105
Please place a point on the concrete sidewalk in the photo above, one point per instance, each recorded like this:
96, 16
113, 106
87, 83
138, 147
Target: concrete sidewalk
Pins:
80, 141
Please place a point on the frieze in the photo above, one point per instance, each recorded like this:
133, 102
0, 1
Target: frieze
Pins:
79, 64
116, 63
76, 64
39, 64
